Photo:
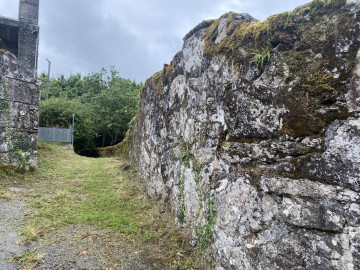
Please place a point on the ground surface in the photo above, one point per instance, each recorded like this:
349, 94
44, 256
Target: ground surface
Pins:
84, 213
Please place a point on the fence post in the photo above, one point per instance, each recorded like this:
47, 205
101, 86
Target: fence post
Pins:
72, 133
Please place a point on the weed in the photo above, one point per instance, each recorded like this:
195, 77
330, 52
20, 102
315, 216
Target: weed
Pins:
185, 153
27, 260
181, 196
184, 158
31, 233
197, 168
261, 57
205, 233
5, 195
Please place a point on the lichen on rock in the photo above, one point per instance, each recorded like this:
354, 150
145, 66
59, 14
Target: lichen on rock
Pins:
261, 161
19, 113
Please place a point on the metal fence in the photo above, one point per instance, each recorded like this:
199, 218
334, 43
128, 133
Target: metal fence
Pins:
55, 134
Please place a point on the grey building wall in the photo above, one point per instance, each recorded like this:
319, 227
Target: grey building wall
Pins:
21, 37
29, 11
19, 88
19, 113
29, 33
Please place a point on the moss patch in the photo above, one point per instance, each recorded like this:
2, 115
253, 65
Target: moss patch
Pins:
122, 149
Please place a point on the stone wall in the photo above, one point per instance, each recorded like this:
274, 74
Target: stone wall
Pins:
19, 113
21, 37
252, 136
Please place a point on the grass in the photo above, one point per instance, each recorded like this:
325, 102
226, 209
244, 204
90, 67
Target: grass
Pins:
27, 260
5, 195
70, 189
89, 191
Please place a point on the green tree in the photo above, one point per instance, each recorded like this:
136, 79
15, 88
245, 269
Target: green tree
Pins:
104, 103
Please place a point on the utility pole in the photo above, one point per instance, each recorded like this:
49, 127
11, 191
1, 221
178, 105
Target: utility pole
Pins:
48, 80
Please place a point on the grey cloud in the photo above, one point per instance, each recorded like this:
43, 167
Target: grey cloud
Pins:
138, 37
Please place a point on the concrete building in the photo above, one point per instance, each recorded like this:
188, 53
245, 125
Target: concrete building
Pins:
21, 37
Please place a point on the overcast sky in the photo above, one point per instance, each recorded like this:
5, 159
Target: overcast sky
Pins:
135, 36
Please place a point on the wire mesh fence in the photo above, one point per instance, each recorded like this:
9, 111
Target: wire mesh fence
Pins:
55, 134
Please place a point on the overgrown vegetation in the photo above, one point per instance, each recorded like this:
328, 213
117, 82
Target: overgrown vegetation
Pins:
205, 218
184, 162
249, 35
104, 103
205, 232
68, 189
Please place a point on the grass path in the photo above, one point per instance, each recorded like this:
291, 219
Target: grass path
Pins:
86, 213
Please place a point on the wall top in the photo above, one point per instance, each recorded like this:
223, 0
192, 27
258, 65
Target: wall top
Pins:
29, 11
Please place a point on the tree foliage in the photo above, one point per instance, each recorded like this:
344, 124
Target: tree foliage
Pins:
103, 103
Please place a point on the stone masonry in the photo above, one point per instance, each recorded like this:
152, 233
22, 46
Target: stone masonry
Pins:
19, 88
252, 136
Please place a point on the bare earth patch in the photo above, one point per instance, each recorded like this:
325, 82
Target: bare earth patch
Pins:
85, 247
12, 215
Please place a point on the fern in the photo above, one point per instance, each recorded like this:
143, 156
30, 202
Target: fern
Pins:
261, 57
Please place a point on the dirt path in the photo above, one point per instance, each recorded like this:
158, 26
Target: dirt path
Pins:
12, 215
83, 213
71, 247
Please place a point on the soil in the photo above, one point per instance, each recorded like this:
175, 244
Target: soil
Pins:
12, 213
86, 247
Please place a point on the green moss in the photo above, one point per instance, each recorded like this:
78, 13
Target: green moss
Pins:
167, 70
242, 37
121, 149
9, 169
322, 81
255, 35
157, 79
203, 24
320, 7
281, 20
260, 30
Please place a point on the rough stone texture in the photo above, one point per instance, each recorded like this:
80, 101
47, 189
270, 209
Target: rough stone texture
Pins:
265, 157
21, 37
19, 113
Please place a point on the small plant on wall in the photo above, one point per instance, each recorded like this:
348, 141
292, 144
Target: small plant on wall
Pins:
261, 57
